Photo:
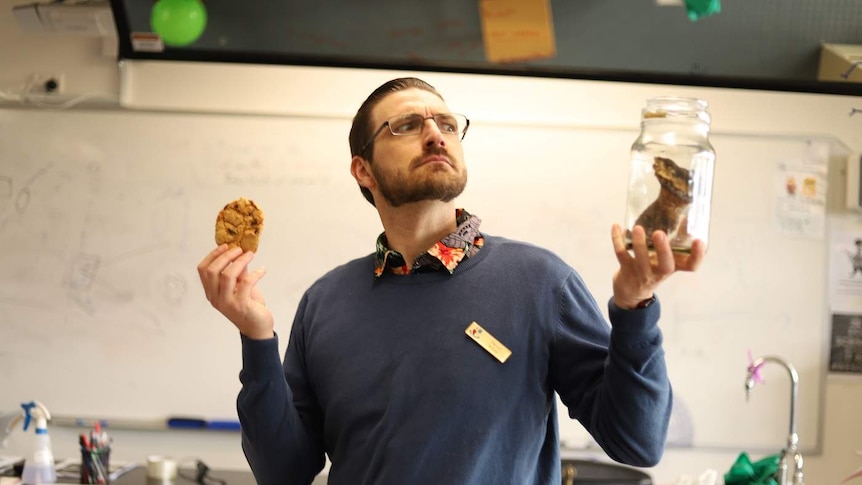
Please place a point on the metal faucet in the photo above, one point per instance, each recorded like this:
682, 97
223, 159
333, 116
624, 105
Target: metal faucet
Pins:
791, 451
7, 423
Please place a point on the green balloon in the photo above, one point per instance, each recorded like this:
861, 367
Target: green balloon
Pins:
179, 22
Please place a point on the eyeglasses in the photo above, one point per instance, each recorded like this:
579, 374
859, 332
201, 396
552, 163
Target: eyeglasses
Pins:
413, 124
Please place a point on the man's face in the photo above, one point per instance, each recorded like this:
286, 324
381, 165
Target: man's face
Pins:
414, 168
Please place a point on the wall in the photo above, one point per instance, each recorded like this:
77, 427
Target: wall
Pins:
86, 70
117, 206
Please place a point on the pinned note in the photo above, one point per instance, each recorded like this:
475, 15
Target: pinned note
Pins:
517, 30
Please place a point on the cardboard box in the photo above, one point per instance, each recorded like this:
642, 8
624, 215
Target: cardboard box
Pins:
840, 62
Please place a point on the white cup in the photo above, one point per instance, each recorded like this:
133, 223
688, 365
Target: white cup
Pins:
161, 467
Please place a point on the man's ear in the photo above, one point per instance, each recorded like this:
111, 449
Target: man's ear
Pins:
360, 168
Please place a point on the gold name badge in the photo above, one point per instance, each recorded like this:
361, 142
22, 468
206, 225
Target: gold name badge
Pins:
488, 342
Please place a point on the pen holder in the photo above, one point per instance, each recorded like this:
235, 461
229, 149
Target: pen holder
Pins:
95, 465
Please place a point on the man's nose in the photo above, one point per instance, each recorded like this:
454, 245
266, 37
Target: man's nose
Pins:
433, 135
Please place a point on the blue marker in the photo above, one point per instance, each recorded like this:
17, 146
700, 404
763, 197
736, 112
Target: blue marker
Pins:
224, 425
186, 423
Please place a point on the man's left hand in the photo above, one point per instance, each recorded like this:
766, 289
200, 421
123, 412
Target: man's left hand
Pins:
641, 270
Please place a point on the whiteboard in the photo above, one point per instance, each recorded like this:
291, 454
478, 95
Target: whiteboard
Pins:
104, 216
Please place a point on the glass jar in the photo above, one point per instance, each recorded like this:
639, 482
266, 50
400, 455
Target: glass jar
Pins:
672, 162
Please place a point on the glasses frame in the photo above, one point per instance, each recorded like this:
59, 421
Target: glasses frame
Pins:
387, 124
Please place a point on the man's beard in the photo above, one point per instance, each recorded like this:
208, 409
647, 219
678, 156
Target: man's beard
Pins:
440, 185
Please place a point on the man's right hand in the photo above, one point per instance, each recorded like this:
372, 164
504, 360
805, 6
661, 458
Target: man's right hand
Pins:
232, 290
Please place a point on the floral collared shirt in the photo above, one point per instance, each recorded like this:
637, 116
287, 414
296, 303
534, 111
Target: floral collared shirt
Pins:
445, 254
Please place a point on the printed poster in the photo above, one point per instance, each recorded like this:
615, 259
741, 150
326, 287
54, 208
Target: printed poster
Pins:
800, 193
845, 269
845, 353
845, 298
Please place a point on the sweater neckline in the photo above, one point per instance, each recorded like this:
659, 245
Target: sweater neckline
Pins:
436, 276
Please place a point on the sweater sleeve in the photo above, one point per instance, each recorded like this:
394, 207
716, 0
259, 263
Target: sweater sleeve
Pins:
281, 423
613, 380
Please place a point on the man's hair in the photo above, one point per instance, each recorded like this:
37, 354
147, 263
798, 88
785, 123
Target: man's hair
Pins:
361, 128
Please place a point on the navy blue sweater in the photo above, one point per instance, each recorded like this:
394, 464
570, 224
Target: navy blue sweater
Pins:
379, 375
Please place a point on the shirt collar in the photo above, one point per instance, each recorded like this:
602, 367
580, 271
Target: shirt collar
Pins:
446, 253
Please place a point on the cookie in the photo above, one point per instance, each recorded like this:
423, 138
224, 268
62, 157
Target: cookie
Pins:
239, 224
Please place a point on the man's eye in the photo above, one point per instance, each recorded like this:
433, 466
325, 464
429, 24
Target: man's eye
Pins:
448, 124
406, 126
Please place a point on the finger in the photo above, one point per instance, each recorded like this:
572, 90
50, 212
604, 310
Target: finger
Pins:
228, 277
639, 246
224, 262
665, 261
214, 282
214, 253
208, 270
247, 282
209, 258
619, 243
692, 261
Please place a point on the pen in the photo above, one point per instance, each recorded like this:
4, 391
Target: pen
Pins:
224, 425
186, 423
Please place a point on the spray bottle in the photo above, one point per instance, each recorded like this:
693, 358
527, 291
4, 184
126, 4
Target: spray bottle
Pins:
39, 468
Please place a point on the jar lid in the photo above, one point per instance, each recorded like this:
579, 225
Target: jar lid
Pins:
676, 107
